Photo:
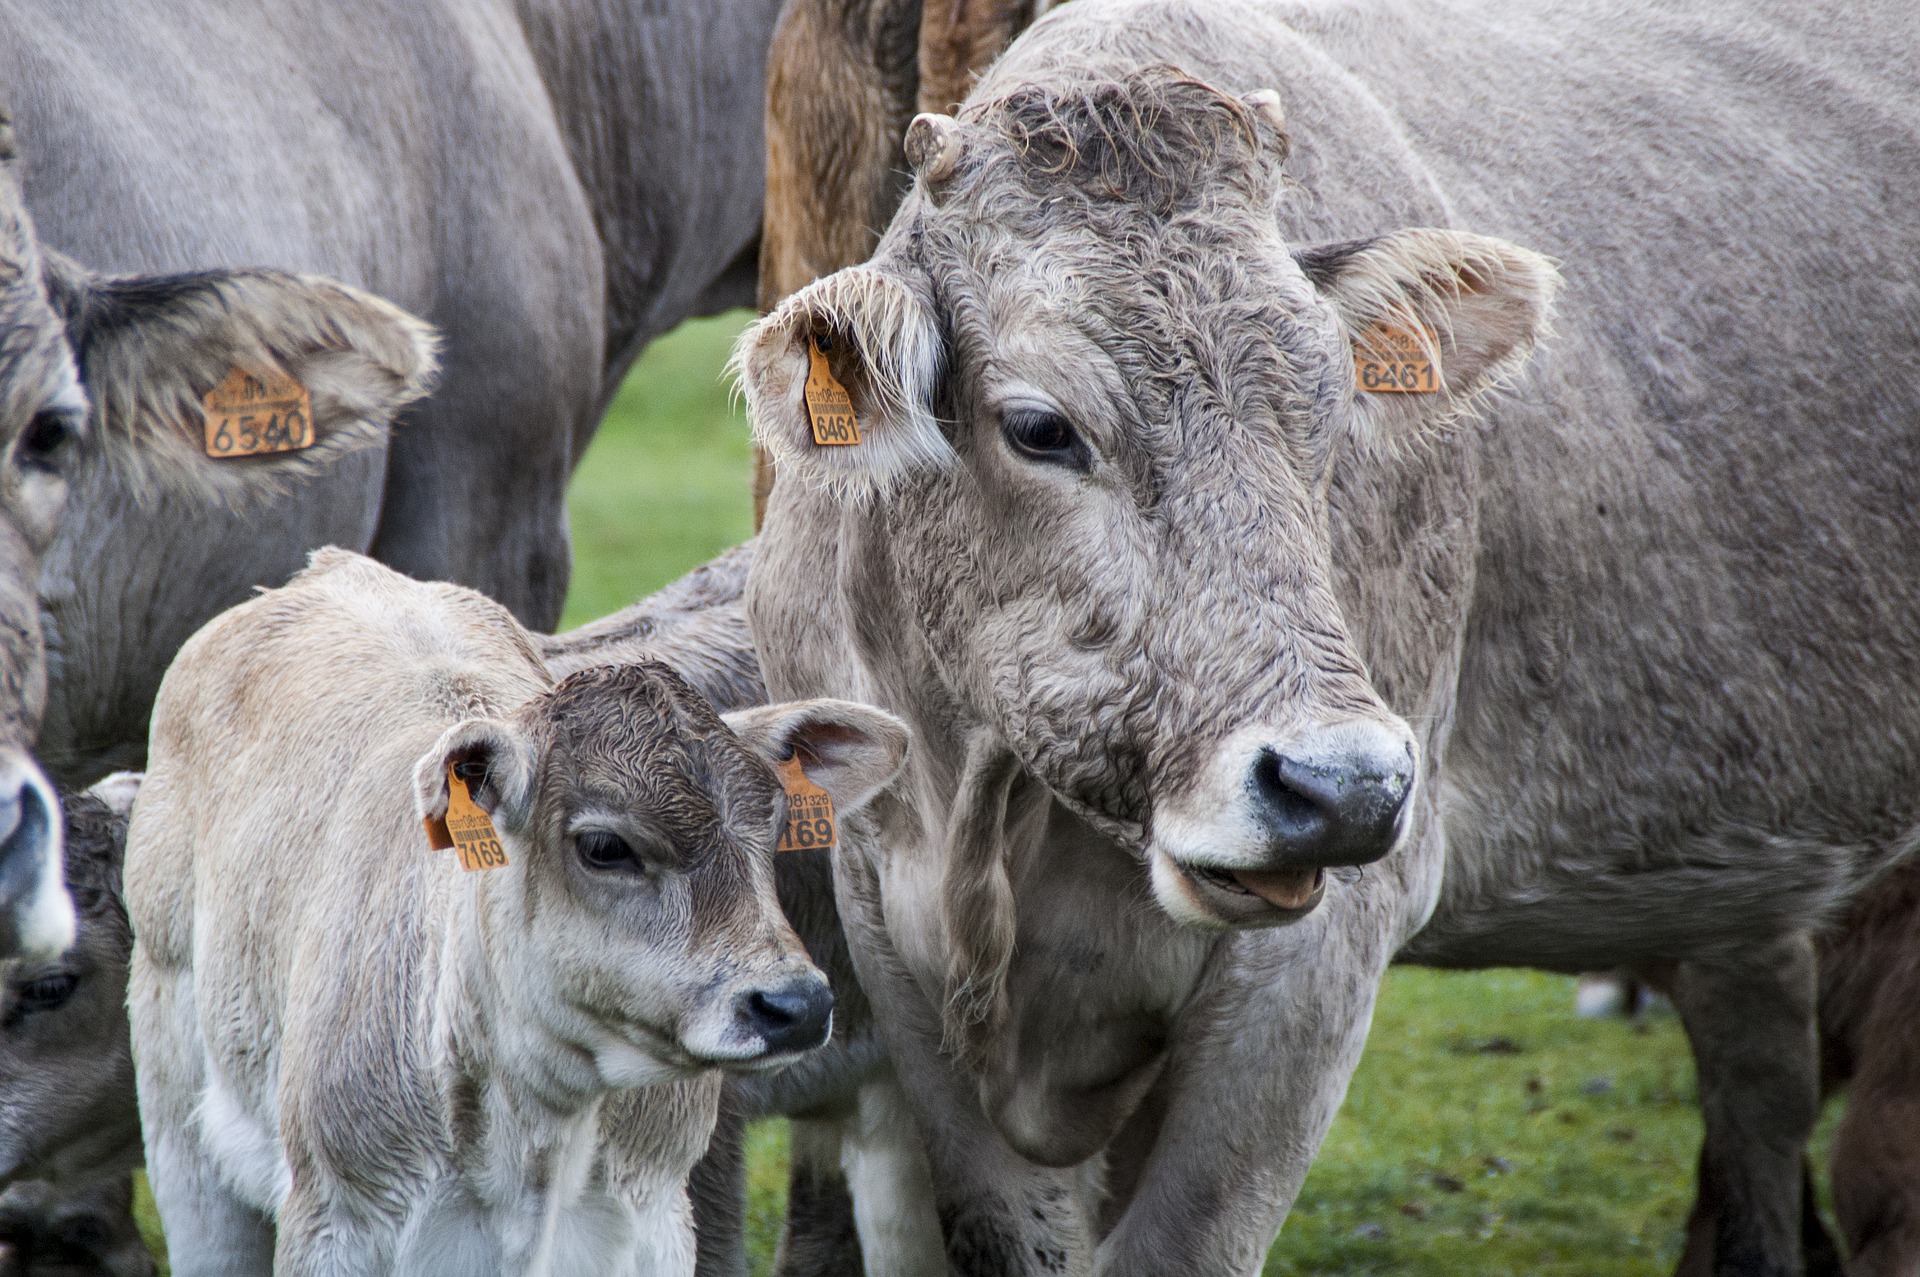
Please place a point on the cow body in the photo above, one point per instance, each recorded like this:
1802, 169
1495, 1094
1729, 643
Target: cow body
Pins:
1173, 604
553, 184
365, 1057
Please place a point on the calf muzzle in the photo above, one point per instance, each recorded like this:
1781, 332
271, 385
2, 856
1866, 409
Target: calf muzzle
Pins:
796, 1016
36, 914
1334, 802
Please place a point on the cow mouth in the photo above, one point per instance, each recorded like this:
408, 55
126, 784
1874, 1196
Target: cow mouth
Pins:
1289, 889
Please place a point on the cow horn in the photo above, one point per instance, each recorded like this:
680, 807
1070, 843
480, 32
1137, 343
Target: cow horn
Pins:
1265, 103
933, 146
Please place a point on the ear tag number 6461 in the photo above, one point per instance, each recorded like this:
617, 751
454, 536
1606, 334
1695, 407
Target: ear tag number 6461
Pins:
828, 403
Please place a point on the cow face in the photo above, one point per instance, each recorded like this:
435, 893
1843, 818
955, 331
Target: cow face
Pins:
639, 831
1101, 403
101, 385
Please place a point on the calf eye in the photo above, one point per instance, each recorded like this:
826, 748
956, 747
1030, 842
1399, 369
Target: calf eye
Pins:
602, 850
46, 439
47, 993
1044, 436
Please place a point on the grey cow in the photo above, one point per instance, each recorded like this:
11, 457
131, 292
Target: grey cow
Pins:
553, 183
101, 382
1234, 678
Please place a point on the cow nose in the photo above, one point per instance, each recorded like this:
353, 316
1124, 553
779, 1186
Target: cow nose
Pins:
1334, 797
794, 1017
36, 914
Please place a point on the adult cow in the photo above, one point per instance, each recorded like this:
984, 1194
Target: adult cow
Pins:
101, 385
1236, 679
553, 183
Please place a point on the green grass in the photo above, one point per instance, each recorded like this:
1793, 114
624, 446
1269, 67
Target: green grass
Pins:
1488, 1131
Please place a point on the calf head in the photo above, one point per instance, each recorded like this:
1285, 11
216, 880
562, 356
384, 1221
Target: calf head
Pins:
101, 384
640, 830
1102, 403
67, 1113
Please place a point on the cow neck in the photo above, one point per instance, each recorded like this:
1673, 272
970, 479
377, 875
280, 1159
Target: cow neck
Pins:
500, 1029
637, 85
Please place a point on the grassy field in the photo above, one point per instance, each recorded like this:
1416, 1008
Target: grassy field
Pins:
1488, 1131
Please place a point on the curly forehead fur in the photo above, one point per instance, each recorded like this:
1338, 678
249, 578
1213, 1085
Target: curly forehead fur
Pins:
1154, 138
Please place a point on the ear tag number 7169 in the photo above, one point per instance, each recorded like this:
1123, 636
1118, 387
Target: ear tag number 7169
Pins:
467, 828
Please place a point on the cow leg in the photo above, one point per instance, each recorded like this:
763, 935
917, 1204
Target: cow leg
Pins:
1751, 1022
1876, 1172
892, 1186
1249, 1099
209, 1229
820, 1238
718, 1190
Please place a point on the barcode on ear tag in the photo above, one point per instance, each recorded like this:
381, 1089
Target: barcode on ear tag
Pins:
250, 413
828, 403
470, 828
1389, 360
809, 811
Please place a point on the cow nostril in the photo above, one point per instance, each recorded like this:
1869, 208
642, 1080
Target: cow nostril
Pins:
1293, 812
794, 1017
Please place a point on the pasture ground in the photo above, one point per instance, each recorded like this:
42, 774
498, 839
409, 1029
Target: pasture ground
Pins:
1487, 1132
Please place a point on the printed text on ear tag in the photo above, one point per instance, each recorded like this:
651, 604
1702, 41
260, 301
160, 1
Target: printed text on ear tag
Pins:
809, 811
250, 413
466, 828
1390, 360
827, 400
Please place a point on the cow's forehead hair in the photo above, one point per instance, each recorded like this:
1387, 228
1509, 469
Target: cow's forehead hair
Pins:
36, 365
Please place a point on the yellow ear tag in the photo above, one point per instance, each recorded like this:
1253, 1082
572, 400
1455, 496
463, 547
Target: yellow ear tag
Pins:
1390, 360
828, 402
809, 811
467, 828
250, 413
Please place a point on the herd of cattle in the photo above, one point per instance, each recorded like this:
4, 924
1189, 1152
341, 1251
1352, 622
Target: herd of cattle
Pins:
1266, 489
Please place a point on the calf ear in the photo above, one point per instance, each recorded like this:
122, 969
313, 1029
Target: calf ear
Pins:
118, 791
1435, 319
866, 333
151, 347
851, 751
496, 756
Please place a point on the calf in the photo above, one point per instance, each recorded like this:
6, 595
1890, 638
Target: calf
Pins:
354, 1056
69, 1131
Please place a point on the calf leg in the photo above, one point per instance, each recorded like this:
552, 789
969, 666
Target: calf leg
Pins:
821, 1239
718, 1190
1751, 1021
892, 1186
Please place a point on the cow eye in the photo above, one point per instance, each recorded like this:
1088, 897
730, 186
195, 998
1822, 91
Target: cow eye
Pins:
47, 993
599, 849
44, 445
1043, 436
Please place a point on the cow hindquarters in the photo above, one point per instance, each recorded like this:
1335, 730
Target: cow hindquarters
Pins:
1259, 1068
1751, 1019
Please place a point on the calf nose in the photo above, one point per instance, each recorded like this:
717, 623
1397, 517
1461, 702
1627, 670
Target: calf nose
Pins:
794, 1017
36, 915
1334, 796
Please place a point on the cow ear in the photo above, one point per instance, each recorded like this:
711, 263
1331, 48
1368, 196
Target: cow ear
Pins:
864, 333
152, 347
495, 758
851, 751
1435, 319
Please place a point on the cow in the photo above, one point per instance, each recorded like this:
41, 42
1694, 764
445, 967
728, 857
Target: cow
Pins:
69, 1129
552, 183
1263, 615
103, 382
354, 1053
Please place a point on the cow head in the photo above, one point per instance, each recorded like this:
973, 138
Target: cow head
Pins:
1101, 405
101, 385
639, 831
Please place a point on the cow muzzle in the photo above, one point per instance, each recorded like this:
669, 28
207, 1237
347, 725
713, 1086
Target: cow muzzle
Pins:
1250, 843
36, 914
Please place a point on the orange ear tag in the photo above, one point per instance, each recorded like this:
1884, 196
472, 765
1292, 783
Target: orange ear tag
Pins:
809, 811
467, 828
250, 413
1390, 360
828, 402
